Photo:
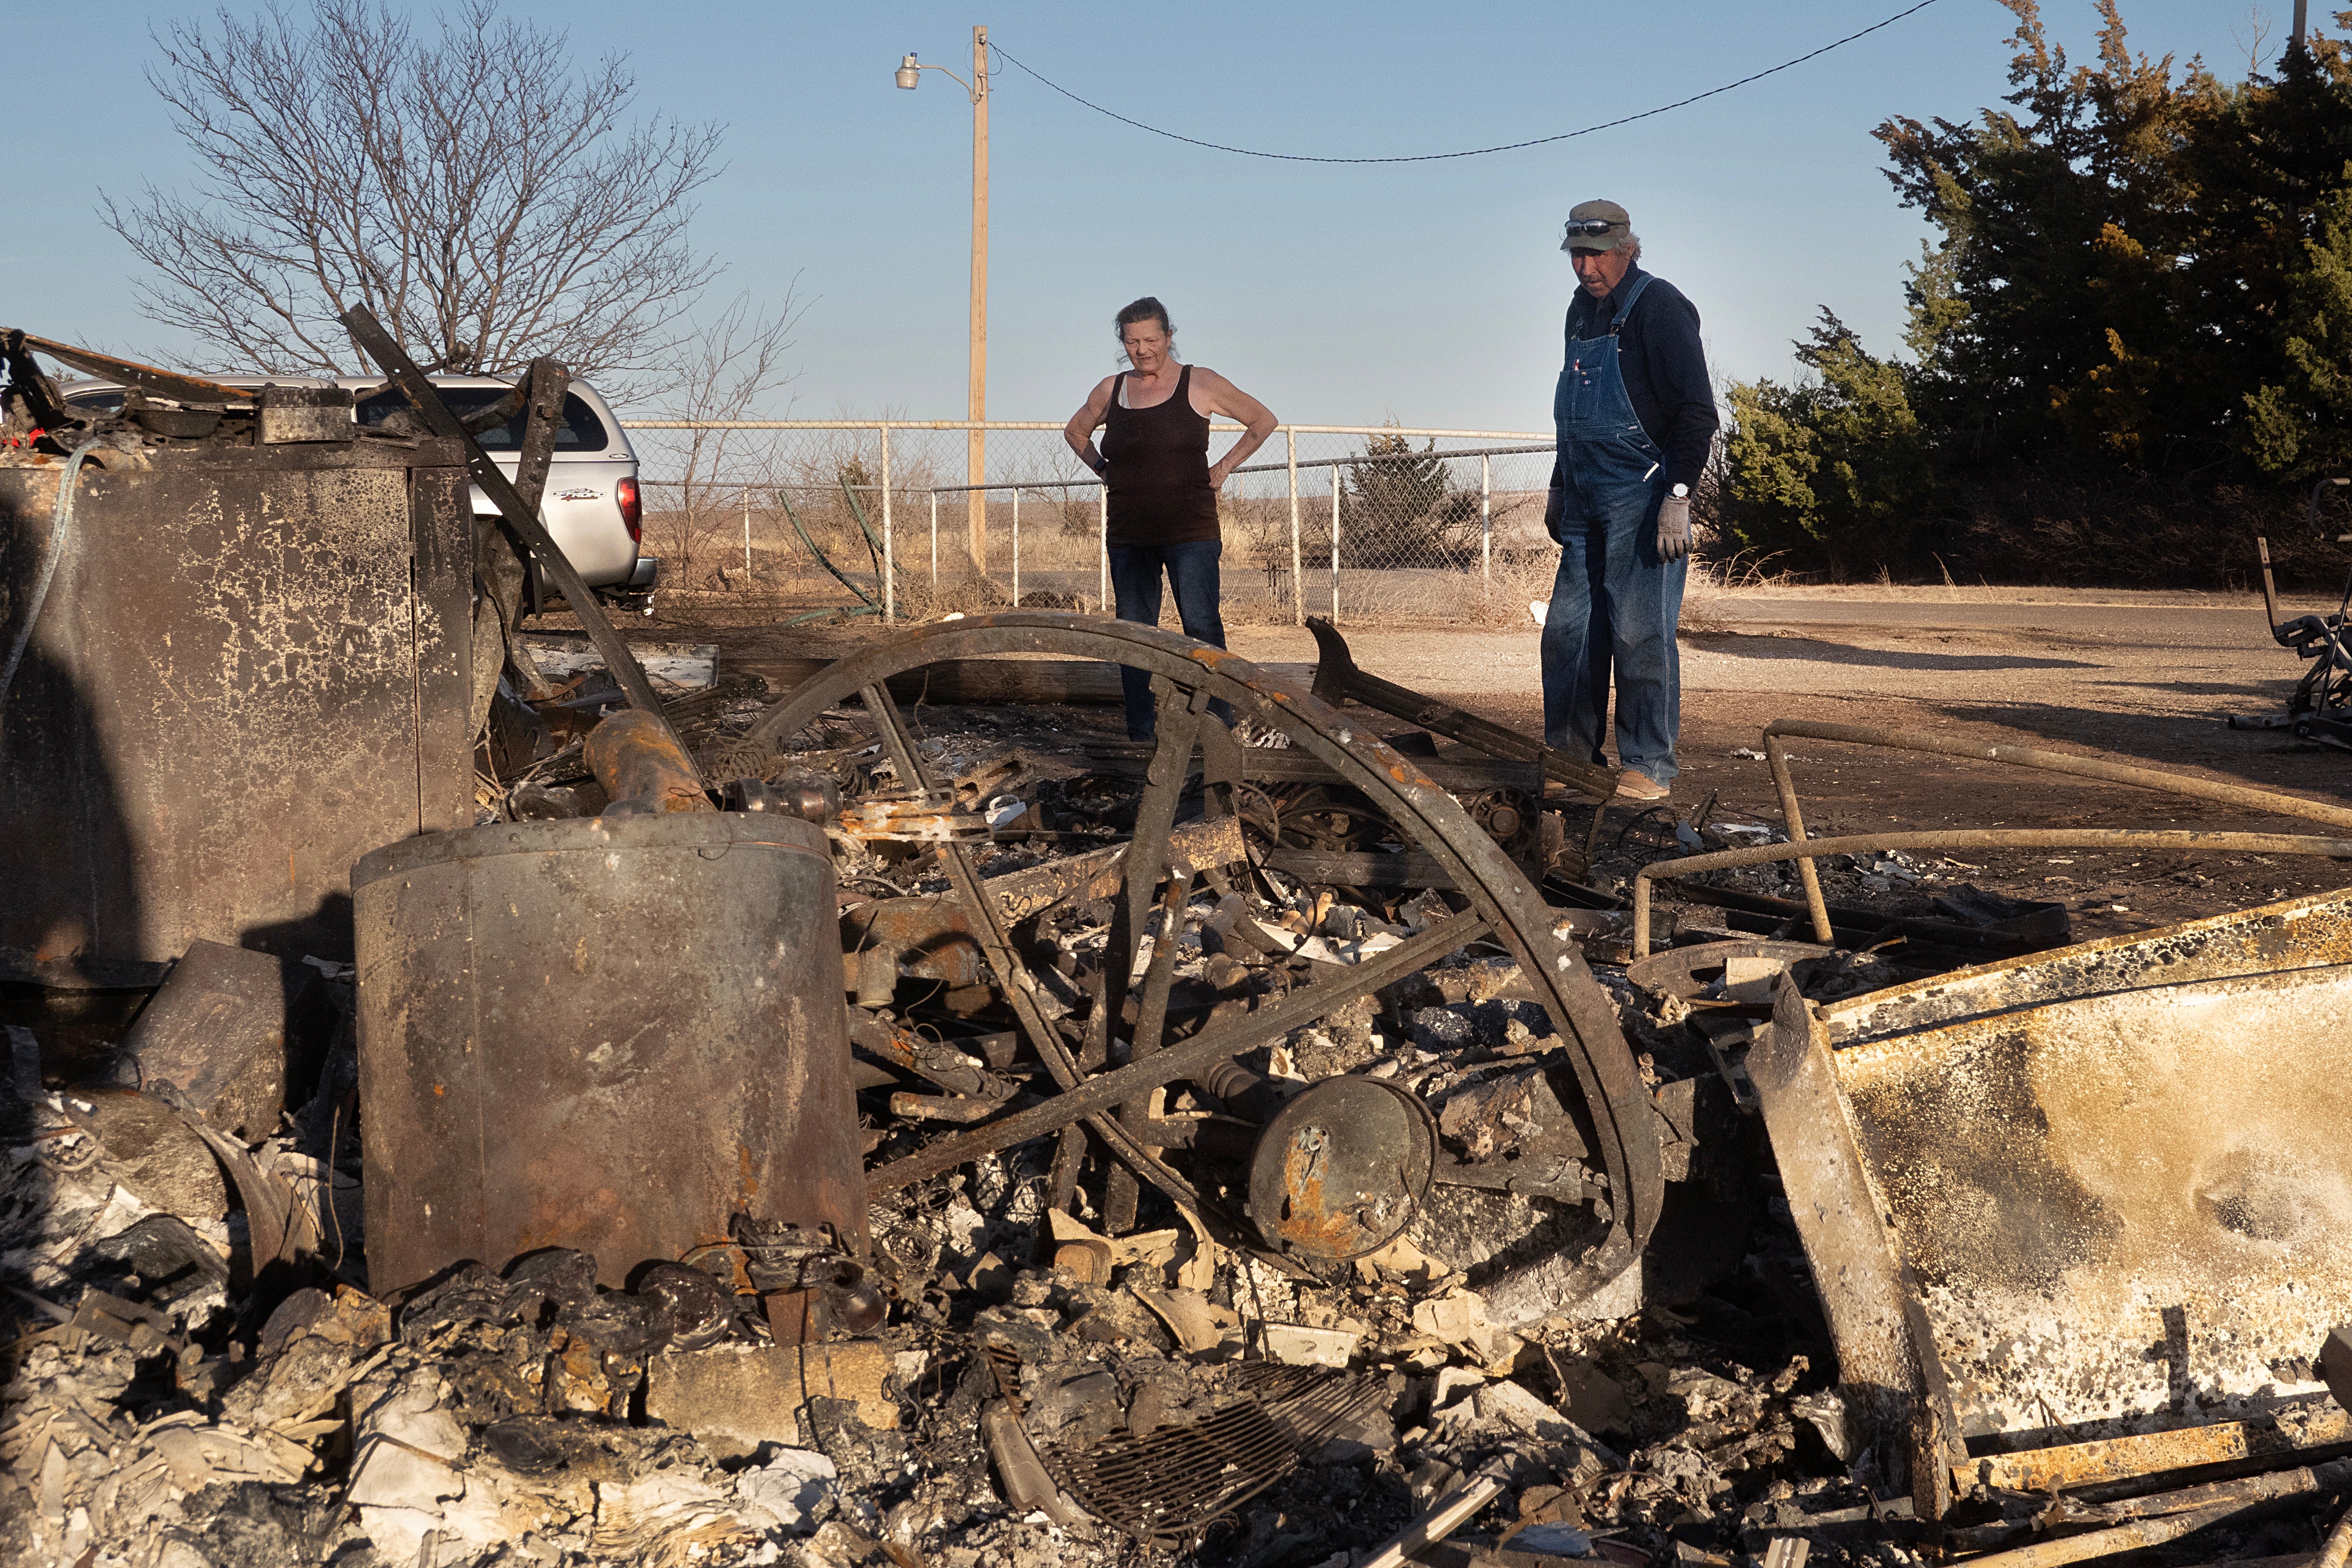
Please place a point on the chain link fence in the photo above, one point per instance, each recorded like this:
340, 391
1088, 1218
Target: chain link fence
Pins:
1359, 524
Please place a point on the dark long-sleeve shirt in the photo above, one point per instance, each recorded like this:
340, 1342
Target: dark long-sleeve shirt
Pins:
1663, 366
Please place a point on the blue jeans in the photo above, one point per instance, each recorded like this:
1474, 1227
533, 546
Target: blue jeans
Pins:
1135, 588
1614, 602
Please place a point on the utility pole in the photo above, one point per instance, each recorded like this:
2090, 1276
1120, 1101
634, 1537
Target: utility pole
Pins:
976, 403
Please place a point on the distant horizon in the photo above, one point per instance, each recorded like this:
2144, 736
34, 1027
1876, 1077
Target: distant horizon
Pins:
1339, 294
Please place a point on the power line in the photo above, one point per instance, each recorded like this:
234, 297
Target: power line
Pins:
1474, 152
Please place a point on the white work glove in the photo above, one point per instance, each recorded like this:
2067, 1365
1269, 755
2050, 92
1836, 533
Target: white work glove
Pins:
1674, 528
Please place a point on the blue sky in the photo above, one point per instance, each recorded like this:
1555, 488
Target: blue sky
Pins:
1431, 292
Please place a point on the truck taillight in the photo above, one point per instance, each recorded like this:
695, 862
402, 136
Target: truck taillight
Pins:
632, 512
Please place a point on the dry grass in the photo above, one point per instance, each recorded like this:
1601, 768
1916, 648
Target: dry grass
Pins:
1712, 584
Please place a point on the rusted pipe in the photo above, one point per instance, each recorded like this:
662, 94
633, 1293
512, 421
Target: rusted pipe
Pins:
641, 765
2107, 1542
2337, 1548
1793, 817
1777, 755
1975, 838
2334, 1476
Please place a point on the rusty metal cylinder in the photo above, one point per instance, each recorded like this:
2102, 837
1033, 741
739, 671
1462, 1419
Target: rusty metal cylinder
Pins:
641, 765
617, 1033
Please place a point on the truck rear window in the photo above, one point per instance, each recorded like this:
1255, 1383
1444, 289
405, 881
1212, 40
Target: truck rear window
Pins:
582, 430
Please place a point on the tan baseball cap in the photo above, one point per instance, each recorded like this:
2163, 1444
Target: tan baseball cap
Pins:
1596, 226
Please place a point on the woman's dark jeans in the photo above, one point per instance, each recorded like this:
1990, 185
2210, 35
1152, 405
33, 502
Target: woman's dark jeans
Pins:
1135, 589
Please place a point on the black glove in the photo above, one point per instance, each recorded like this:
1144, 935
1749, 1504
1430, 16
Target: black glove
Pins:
1554, 501
1674, 528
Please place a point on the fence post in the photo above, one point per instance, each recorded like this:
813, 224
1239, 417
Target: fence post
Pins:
1102, 558
1335, 544
1298, 569
747, 533
1486, 516
889, 570
935, 543
1016, 547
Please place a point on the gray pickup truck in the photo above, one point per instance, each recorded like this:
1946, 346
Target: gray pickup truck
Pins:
590, 505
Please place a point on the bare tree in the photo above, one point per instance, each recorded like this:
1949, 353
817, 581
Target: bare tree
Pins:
486, 200
728, 366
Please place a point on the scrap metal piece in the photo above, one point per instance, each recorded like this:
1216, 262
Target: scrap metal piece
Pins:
691, 1066
1339, 1170
636, 756
216, 1031
1027, 1486
920, 819
920, 938
2080, 1210
176, 384
1212, 842
291, 414
1338, 679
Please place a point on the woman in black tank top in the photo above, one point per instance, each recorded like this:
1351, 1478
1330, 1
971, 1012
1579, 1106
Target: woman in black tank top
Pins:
1162, 487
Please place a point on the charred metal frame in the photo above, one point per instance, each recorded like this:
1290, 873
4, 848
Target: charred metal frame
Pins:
1804, 852
1504, 908
1338, 679
1777, 755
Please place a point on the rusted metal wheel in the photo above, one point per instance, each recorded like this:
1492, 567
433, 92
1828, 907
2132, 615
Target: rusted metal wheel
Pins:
1504, 908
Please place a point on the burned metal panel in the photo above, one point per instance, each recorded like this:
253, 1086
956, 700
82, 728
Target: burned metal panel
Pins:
441, 534
2298, 933
2124, 1213
1842, 1222
233, 690
615, 1034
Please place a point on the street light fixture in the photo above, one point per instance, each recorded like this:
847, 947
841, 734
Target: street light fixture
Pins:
909, 74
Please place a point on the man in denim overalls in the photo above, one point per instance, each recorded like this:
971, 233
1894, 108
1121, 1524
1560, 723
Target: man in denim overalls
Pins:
1635, 414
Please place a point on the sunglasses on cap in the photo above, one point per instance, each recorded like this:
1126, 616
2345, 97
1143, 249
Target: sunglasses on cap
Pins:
1594, 227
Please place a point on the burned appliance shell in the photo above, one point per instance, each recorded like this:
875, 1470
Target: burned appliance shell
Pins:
615, 1034
2080, 1217
251, 668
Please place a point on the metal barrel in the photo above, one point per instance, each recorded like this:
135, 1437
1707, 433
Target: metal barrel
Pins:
615, 1034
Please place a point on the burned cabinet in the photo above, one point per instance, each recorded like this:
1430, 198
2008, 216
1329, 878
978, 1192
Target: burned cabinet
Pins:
2079, 1216
251, 667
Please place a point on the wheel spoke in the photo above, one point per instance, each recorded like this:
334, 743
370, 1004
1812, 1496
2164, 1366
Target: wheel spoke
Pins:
1011, 977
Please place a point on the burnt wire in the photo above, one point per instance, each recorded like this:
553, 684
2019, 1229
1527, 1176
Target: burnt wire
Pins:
1473, 152
61, 522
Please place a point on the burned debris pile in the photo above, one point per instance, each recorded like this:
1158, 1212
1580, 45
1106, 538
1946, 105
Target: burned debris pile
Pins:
698, 1124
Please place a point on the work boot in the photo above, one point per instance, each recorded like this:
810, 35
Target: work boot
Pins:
1632, 785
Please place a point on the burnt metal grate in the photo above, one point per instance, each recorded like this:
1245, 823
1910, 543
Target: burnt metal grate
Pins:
1163, 1486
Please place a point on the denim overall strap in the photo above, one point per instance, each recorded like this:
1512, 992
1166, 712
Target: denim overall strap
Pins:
1590, 406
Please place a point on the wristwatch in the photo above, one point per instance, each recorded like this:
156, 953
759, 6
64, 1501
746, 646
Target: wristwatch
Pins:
1680, 492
